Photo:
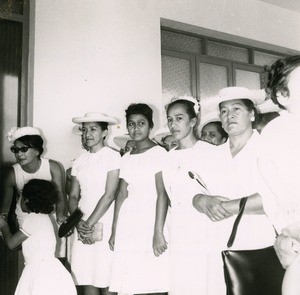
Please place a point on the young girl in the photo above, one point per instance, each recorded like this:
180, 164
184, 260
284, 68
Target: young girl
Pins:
43, 273
136, 269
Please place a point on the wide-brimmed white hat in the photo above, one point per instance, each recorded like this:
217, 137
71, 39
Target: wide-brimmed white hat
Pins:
95, 117
160, 134
121, 140
17, 132
231, 93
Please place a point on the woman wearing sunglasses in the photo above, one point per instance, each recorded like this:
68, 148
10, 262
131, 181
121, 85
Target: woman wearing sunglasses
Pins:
27, 146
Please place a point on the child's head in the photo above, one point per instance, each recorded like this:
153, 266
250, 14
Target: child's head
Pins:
40, 196
169, 142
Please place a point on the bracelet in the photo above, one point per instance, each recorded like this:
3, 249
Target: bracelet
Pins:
4, 215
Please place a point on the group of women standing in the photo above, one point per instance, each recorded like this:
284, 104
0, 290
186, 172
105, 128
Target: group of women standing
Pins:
173, 211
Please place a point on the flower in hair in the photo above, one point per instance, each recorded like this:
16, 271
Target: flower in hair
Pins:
10, 134
191, 99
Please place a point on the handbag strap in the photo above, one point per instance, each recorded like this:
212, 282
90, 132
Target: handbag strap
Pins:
243, 202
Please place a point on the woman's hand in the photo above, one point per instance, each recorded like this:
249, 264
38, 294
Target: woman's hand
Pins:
60, 219
84, 229
159, 244
85, 232
111, 241
86, 239
211, 206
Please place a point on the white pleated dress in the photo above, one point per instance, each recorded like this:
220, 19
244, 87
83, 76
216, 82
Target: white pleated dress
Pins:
43, 273
91, 264
136, 269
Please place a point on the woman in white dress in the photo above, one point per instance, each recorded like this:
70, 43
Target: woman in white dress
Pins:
237, 176
136, 270
189, 250
27, 146
279, 165
43, 273
95, 178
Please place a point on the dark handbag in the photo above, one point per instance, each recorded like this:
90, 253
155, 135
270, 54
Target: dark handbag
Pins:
70, 223
251, 272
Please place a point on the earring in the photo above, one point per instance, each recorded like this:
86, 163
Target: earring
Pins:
252, 119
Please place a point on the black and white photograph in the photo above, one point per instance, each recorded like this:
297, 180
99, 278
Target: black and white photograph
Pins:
149, 147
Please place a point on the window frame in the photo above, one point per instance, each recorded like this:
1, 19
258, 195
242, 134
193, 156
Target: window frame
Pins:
202, 56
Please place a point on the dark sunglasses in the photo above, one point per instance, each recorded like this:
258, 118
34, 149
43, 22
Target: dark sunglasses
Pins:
22, 149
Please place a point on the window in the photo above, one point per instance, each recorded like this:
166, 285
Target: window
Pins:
200, 66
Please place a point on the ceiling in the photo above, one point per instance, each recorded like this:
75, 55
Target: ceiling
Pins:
293, 5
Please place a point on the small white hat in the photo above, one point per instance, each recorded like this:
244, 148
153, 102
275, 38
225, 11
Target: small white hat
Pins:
160, 134
208, 117
17, 132
95, 117
121, 140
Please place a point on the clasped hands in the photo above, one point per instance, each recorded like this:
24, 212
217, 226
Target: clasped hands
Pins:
214, 207
85, 232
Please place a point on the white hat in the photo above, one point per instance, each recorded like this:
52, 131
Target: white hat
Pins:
17, 132
231, 93
268, 106
160, 134
121, 140
95, 117
208, 117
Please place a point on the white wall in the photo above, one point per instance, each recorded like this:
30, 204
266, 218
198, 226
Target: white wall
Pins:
93, 55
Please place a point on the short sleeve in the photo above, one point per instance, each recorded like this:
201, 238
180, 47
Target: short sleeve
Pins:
74, 168
30, 224
160, 159
123, 165
114, 162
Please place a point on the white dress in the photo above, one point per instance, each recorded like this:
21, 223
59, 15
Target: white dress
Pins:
239, 177
136, 269
22, 177
190, 252
43, 273
195, 241
91, 264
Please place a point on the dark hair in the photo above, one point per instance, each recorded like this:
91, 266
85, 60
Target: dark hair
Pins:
33, 141
219, 127
41, 195
140, 109
264, 119
187, 105
277, 76
103, 125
